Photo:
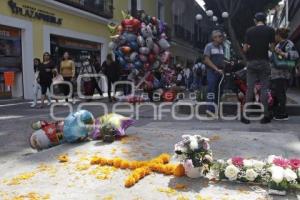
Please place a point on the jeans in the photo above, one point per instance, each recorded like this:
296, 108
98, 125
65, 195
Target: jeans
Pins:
213, 81
36, 88
279, 88
259, 70
188, 82
197, 82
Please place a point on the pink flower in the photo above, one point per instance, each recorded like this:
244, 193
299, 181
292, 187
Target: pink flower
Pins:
295, 164
238, 161
281, 162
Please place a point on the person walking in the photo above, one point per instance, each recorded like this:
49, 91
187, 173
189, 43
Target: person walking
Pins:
67, 70
188, 77
198, 74
259, 39
285, 49
214, 60
112, 71
36, 84
97, 68
45, 76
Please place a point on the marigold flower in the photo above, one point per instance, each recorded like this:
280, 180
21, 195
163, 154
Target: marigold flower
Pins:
117, 162
95, 160
165, 158
124, 164
103, 161
129, 182
63, 158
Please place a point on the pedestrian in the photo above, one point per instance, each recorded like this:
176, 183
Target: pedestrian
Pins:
214, 61
87, 72
36, 83
198, 74
67, 70
97, 68
112, 73
280, 77
57, 83
45, 76
258, 41
188, 77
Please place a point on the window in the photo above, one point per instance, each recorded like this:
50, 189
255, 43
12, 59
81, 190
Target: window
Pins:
103, 8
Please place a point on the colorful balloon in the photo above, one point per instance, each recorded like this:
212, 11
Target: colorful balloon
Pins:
126, 49
146, 31
164, 44
138, 64
134, 56
144, 50
151, 58
165, 57
141, 41
112, 45
149, 42
143, 58
156, 49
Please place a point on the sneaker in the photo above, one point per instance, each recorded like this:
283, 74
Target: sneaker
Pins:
284, 117
245, 121
265, 120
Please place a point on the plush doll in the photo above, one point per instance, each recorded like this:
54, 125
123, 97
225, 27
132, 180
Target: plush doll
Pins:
110, 126
74, 128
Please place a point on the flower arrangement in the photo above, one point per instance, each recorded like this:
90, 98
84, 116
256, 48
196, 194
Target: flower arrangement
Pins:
141, 169
278, 173
194, 151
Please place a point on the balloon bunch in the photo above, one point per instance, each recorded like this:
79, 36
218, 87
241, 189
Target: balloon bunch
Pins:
140, 43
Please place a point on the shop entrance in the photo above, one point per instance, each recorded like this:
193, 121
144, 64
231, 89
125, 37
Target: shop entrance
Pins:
79, 50
10, 57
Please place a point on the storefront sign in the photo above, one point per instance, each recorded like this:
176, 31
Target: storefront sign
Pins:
34, 13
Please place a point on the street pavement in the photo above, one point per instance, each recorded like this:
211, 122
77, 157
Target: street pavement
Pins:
147, 139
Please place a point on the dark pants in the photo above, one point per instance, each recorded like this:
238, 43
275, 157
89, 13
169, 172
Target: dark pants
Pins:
259, 70
96, 85
213, 81
279, 88
67, 89
110, 82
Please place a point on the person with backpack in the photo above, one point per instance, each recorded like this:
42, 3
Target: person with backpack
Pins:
198, 74
285, 49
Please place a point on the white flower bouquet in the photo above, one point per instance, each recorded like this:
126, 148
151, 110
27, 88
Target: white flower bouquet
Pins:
278, 173
195, 154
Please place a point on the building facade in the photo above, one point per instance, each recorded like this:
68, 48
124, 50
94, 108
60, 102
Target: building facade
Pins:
28, 28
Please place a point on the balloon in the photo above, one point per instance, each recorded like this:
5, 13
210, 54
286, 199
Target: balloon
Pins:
164, 35
136, 24
165, 57
162, 27
156, 49
112, 45
146, 31
121, 61
164, 44
129, 66
112, 28
153, 20
131, 25
130, 37
147, 66
120, 29
122, 40
154, 30
141, 41
138, 64
119, 53
126, 49
134, 56
134, 45
151, 58
156, 64
149, 42
144, 50
143, 58
76, 126
126, 15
